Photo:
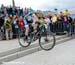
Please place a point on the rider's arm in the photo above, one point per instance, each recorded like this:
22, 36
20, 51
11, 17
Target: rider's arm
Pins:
25, 22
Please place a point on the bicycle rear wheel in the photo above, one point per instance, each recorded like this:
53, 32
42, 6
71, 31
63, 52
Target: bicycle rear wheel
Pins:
21, 39
47, 42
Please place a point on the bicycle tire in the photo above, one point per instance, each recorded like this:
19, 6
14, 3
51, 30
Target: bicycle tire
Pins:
53, 41
21, 42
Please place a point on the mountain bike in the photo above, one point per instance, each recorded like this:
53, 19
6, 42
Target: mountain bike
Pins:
45, 38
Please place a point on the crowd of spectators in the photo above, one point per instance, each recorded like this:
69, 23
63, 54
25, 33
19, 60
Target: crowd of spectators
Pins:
11, 17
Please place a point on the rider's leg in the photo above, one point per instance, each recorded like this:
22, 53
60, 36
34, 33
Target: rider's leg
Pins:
35, 25
27, 31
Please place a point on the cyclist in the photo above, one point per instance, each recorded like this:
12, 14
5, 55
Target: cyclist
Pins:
30, 19
34, 20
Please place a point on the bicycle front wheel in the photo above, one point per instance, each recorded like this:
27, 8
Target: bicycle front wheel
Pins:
47, 42
21, 39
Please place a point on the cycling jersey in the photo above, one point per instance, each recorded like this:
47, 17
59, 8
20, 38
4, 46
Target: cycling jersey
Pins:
29, 19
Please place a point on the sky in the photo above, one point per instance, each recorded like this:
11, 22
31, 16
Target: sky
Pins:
42, 4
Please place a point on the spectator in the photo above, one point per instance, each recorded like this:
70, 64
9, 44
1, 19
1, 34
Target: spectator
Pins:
74, 25
47, 21
15, 26
65, 23
54, 20
8, 27
14, 11
66, 13
1, 28
21, 23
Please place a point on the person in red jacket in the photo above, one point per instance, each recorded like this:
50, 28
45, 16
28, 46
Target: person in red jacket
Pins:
20, 22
